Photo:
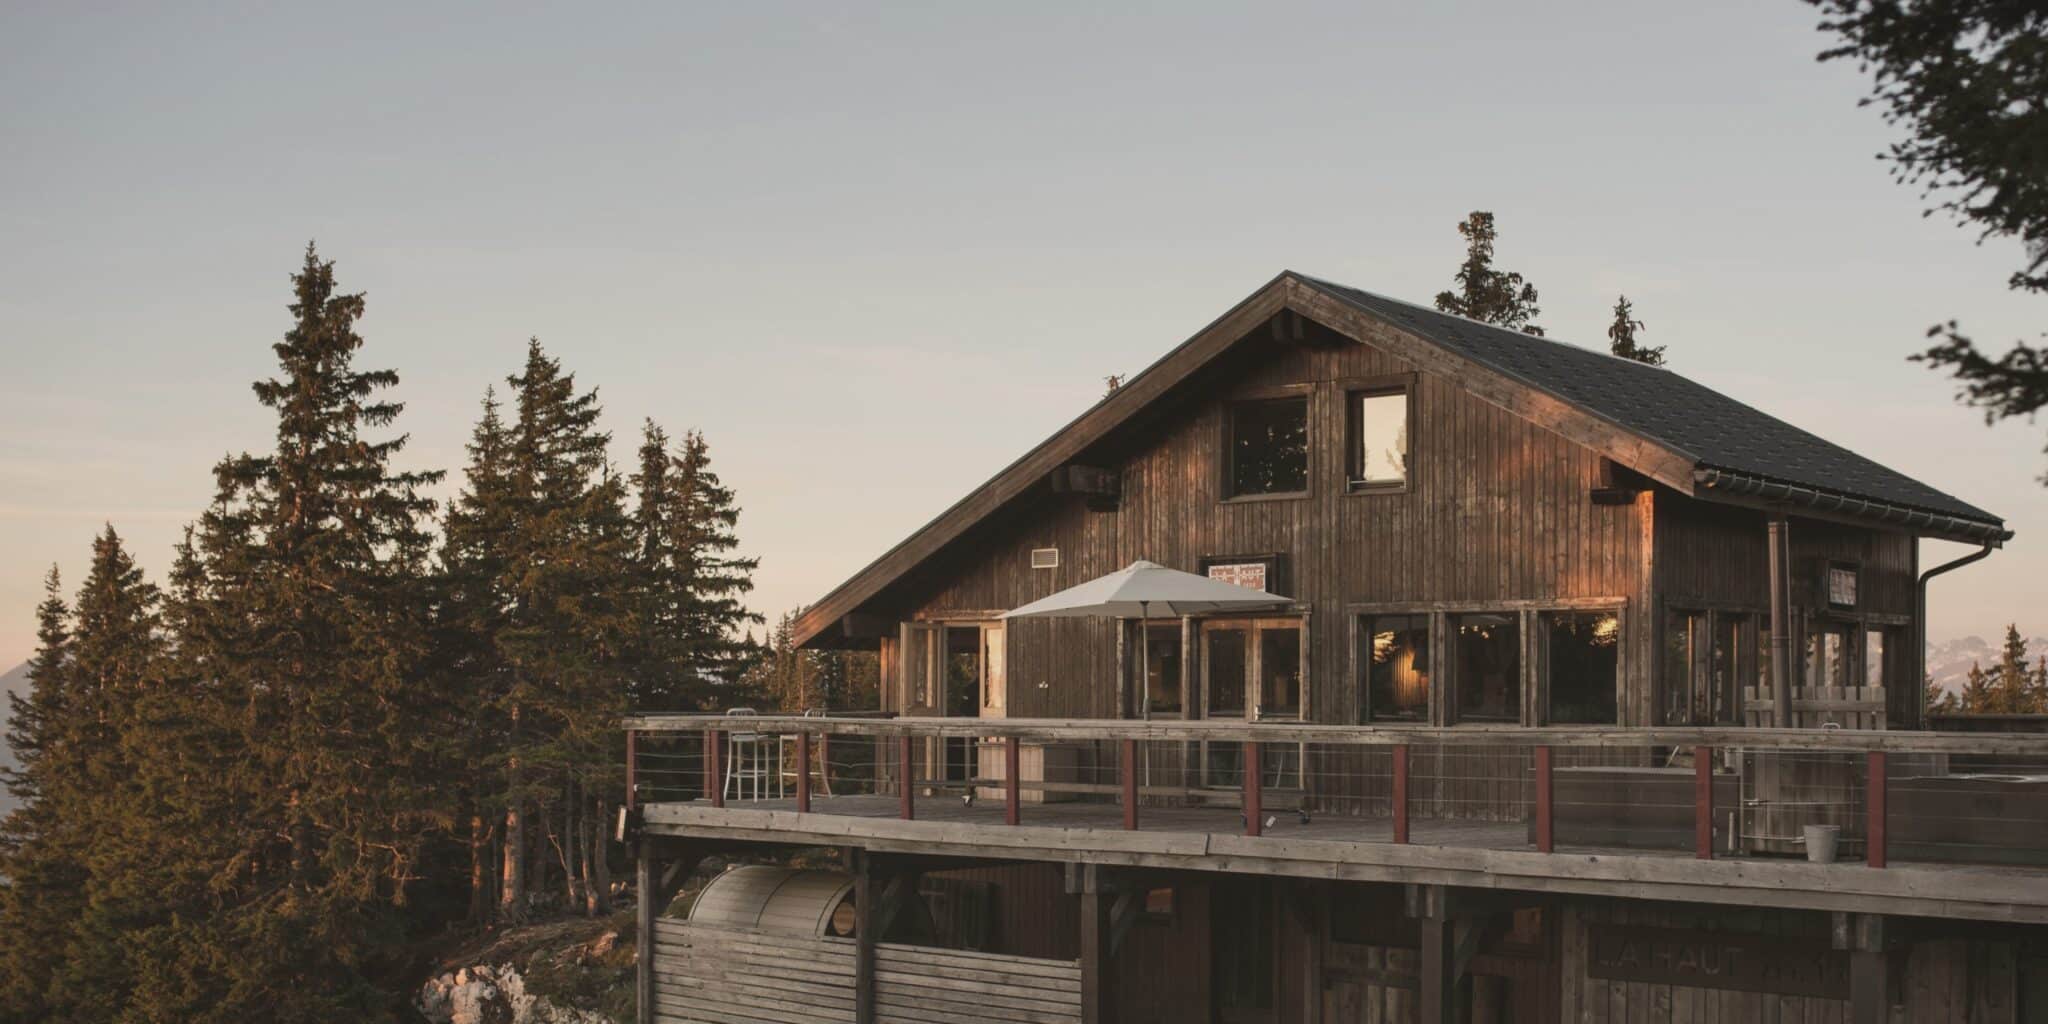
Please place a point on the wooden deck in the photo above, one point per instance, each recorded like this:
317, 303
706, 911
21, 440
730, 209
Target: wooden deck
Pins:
1477, 854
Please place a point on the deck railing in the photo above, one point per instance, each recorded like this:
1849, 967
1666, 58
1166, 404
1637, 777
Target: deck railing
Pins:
1716, 792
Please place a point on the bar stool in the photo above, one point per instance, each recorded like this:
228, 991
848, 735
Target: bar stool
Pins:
749, 760
788, 769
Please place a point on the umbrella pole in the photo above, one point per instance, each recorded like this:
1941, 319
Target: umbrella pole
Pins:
1144, 660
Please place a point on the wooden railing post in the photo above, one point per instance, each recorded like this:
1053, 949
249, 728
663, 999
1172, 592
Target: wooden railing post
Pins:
1013, 802
1401, 792
632, 763
1127, 773
1703, 802
908, 803
714, 782
1875, 785
803, 772
1543, 792
1253, 782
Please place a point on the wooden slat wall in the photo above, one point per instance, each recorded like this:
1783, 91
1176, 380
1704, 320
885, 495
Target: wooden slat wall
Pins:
1496, 509
708, 975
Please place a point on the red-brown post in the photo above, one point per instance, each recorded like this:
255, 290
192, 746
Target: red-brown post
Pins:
632, 760
714, 781
1013, 802
1543, 816
1875, 785
1127, 771
803, 772
1252, 783
1401, 792
909, 789
1703, 803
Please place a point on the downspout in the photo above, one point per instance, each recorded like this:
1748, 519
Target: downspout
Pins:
1920, 624
1780, 549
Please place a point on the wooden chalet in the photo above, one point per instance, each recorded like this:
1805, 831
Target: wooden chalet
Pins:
1597, 698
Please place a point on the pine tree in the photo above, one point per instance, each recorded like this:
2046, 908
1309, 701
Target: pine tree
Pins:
1485, 294
1939, 701
2011, 686
41, 880
317, 635
1621, 336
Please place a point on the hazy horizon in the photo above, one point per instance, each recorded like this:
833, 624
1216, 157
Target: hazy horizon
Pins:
876, 255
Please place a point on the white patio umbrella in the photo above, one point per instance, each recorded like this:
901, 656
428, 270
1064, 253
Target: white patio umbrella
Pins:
1141, 588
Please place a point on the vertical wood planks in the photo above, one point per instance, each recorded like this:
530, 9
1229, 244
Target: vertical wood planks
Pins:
1875, 787
1127, 771
1543, 794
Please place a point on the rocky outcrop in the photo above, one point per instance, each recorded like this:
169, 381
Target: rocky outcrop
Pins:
546, 974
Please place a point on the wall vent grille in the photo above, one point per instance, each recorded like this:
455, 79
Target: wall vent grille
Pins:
1045, 558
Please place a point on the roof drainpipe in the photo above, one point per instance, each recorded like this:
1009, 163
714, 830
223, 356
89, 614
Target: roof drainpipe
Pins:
1920, 626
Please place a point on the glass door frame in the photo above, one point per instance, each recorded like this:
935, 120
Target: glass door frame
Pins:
1253, 628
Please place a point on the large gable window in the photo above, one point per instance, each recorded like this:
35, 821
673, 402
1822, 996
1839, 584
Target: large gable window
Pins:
1379, 438
1268, 447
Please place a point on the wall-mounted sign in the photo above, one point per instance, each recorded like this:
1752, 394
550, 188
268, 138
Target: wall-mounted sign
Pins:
1242, 574
1259, 572
1722, 960
1841, 581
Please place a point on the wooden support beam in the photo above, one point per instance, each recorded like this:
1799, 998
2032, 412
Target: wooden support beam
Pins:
1127, 773
1253, 787
1703, 802
905, 777
1401, 793
1013, 812
1778, 558
1870, 976
803, 773
1877, 815
1544, 816
1439, 972
1096, 1004
655, 881
866, 892
643, 934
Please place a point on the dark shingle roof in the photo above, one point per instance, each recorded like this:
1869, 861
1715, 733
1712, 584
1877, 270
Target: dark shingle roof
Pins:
1715, 430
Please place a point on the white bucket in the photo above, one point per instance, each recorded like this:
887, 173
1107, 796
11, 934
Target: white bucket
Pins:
1821, 841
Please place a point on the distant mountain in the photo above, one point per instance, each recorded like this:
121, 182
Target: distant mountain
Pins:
15, 681
1948, 662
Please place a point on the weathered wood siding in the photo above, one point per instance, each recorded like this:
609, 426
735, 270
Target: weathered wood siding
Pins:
711, 975
1495, 509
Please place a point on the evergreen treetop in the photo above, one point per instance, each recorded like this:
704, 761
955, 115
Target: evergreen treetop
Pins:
1621, 336
1485, 294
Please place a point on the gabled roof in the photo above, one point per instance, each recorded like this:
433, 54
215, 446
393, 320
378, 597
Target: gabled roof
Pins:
1677, 432
1715, 430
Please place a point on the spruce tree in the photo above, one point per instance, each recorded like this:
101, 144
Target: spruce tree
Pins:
693, 648
1485, 294
2012, 682
568, 595
317, 610
1621, 336
1980, 694
115, 648
41, 879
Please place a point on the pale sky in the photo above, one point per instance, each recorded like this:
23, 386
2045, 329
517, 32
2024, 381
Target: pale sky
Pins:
876, 254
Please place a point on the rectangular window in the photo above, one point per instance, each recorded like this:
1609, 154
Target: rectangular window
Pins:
1584, 652
1162, 670
1279, 673
1488, 675
1379, 438
1827, 655
1268, 447
1396, 667
1873, 657
1685, 639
